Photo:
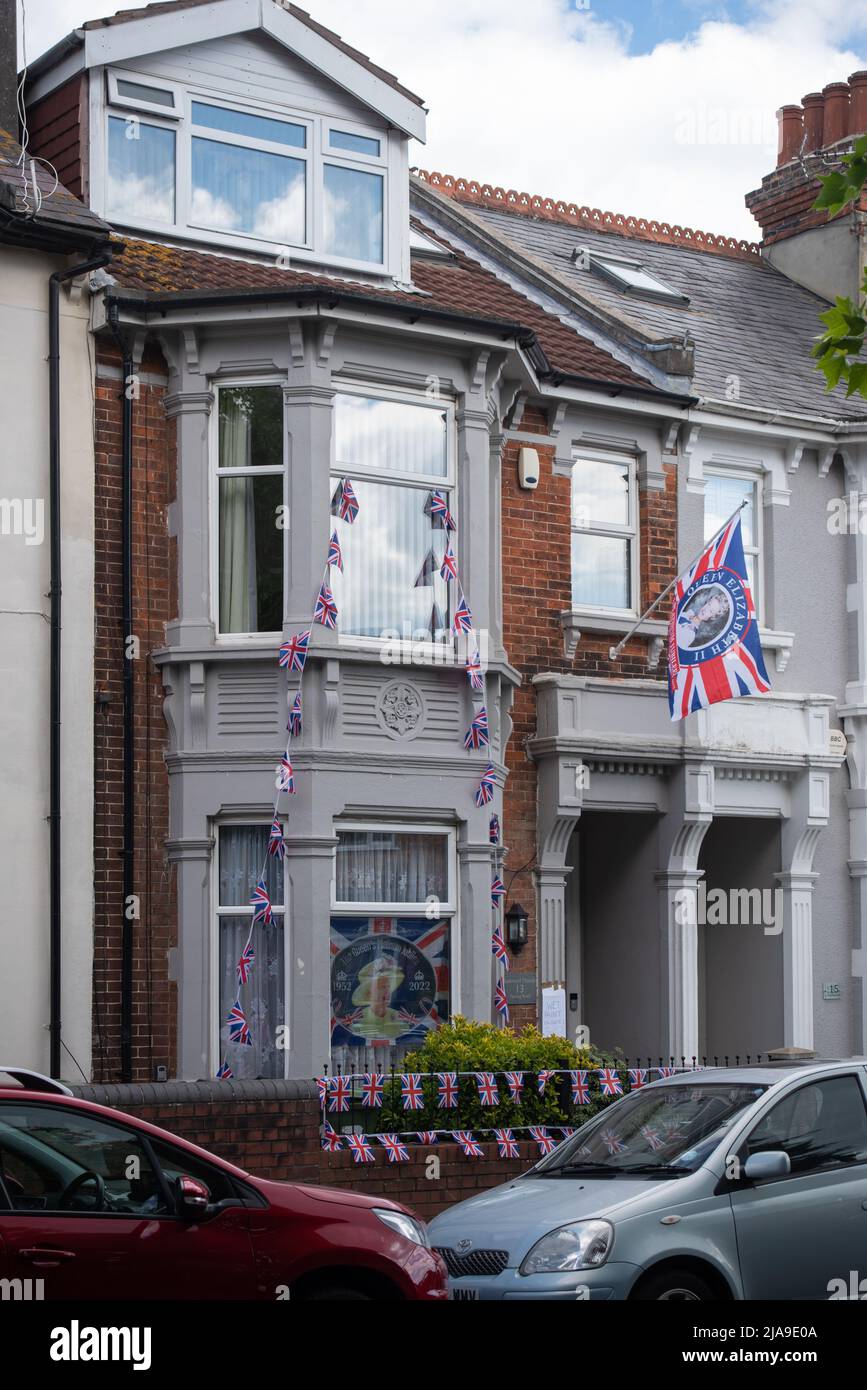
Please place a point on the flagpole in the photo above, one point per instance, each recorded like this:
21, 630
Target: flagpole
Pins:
614, 652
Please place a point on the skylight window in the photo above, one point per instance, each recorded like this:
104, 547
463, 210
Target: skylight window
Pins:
627, 275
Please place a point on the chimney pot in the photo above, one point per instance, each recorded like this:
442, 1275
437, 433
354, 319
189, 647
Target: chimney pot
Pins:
836, 123
814, 120
858, 103
790, 127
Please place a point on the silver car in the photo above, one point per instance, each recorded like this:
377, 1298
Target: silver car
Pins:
742, 1183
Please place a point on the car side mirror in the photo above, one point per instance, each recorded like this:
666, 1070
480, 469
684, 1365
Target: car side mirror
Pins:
771, 1164
192, 1199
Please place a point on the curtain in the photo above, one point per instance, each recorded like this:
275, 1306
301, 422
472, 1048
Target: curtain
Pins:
379, 866
353, 213
141, 170
242, 851
238, 597
235, 188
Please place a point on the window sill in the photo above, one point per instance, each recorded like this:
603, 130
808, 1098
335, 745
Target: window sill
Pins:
575, 622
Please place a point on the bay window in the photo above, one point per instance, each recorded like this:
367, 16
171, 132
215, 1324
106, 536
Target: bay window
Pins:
724, 491
604, 509
250, 496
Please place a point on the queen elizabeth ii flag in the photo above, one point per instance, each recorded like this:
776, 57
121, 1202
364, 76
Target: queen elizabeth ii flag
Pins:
714, 651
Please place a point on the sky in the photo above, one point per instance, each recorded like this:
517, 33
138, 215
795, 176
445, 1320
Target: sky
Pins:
656, 108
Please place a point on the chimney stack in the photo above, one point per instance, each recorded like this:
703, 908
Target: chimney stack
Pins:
9, 66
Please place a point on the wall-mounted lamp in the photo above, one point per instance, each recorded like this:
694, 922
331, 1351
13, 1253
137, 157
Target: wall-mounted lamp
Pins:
516, 927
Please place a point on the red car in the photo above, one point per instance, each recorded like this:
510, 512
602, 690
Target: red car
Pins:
98, 1205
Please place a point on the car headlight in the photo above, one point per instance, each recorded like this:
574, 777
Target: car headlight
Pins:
583, 1245
405, 1225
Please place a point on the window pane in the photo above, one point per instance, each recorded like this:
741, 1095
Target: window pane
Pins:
389, 586
376, 434
251, 427
141, 170
388, 867
159, 96
243, 850
353, 213
263, 997
817, 1125
360, 144
256, 127
722, 495
240, 190
600, 571
175, 1163
600, 493
251, 554
390, 986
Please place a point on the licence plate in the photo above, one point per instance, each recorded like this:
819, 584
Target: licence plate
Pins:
464, 1295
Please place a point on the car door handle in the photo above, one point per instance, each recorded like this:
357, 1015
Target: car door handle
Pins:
45, 1258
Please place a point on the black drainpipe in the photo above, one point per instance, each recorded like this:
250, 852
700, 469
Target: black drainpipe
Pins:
128, 853
55, 594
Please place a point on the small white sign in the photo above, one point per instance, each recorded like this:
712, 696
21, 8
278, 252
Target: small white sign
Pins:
553, 1013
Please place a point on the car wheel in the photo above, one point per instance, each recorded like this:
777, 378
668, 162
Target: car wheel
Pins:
675, 1286
335, 1294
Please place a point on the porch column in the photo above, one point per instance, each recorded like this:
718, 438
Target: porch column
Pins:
476, 997
551, 929
810, 806
682, 834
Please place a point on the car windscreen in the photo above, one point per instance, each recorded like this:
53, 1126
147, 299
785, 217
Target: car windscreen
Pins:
664, 1130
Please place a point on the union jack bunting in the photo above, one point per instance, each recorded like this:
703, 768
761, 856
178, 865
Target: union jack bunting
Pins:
293, 653
335, 554
515, 1083
611, 1142
545, 1141
467, 1143
245, 964
637, 1078
477, 734
438, 508
447, 1090
325, 611
498, 947
501, 1001
542, 1081
652, 1136
666, 1071
322, 1083
332, 1142
348, 505
494, 830
276, 843
714, 652
498, 890
225, 1073
487, 1084
475, 675
463, 619
371, 1089
293, 727
567, 1131
610, 1082
359, 1146
506, 1146
449, 567
427, 1136
339, 1094
397, 1152
485, 794
261, 904
427, 573
411, 1091
285, 775
580, 1088
239, 1029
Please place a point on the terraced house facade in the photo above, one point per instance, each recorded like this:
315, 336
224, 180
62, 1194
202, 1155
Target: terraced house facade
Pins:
589, 398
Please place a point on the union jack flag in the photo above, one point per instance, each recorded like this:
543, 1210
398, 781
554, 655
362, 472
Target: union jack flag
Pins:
245, 964
463, 619
293, 653
322, 1083
397, 1152
494, 831
449, 567
359, 1146
545, 1141
371, 1089
498, 947
339, 1093
653, 1136
438, 507
506, 1146
335, 554
637, 1078
580, 1088
348, 502
411, 1091
276, 843
285, 776
475, 675
567, 1131
447, 1090
427, 1136
477, 734
487, 1084
714, 652
485, 794
543, 1079
498, 890
332, 1142
239, 1029
515, 1083
294, 725
666, 1071
325, 611
610, 1082
467, 1143
611, 1142
225, 1073
261, 904
501, 1001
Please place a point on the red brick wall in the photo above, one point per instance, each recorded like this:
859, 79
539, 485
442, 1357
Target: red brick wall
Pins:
154, 603
58, 132
537, 587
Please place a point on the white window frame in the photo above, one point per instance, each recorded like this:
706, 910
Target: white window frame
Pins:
756, 550
628, 532
215, 473
154, 108
400, 909
217, 912
447, 484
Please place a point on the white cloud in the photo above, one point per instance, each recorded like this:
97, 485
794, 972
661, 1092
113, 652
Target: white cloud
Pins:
547, 99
